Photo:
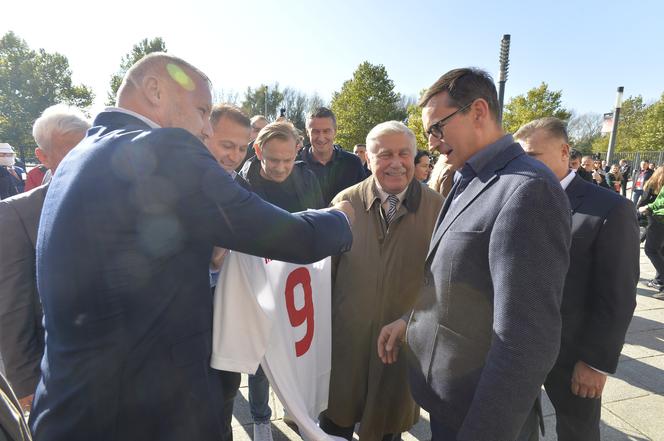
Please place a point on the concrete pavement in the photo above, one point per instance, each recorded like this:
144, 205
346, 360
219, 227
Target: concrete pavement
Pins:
632, 403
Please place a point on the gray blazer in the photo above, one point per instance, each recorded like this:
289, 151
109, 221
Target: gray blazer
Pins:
21, 330
486, 329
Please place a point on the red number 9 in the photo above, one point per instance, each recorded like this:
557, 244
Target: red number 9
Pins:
300, 276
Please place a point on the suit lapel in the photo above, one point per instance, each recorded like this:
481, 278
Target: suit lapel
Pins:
575, 192
483, 180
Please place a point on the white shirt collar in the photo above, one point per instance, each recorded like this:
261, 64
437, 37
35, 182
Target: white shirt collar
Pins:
564, 182
146, 120
383, 194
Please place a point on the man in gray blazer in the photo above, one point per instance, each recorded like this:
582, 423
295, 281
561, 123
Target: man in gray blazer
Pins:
600, 290
56, 132
486, 329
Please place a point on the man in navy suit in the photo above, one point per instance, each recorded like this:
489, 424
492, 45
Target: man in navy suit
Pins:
486, 328
600, 290
124, 242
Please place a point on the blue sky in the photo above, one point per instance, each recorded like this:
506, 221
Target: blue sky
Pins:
585, 48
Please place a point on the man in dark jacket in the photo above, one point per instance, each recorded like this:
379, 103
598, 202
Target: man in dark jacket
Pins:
121, 264
276, 176
600, 289
335, 168
626, 172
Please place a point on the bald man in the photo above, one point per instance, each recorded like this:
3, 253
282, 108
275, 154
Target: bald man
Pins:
126, 233
600, 289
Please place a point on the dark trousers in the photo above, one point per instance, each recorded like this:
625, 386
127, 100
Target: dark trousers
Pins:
577, 419
654, 247
331, 428
529, 431
230, 384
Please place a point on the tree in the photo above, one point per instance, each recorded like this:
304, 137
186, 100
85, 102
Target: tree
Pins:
632, 115
254, 101
295, 103
538, 102
141, 49
415, 124
31, 81
651, 130
583, 130
364, 101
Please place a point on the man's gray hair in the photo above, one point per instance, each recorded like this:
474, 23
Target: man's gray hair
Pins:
159, 64
553, 126
388, 128
58, 119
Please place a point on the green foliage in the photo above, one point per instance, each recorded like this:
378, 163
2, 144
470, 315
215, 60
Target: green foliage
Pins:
415, 124
538, 102
364, 101
254, 101
31, 81
141, 49
630, 124
651, 128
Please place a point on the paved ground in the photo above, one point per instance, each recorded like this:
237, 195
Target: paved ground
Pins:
633, 400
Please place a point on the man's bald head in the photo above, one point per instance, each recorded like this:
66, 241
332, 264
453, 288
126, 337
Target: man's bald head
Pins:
546, 139
169, 91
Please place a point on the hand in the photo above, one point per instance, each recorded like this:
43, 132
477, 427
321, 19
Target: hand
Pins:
26, 403
347, 208
597, 176
644, 209
586, 381
389, 341
218, 255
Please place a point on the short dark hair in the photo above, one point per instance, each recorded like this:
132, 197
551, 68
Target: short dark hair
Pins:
552, 126
323, 112
231, 112
574, 154
463, 86
420, 154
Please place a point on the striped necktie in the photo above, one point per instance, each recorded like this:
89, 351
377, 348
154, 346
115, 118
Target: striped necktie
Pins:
392, 200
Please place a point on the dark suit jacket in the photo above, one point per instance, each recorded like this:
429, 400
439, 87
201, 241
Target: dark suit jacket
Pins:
486, 329
124, 243
21, 329
600, 289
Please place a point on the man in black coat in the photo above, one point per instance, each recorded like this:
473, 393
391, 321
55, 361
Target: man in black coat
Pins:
600, 288
626, 172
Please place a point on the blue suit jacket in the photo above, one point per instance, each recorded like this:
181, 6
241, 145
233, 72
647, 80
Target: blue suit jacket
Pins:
124, 243
486, 329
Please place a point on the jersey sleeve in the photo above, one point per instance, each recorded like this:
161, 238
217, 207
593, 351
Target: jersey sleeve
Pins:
241, 328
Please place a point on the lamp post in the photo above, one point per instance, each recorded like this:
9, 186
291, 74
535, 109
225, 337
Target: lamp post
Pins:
504, 67
614, 130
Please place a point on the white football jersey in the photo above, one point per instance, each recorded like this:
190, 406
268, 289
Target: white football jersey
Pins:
277, 314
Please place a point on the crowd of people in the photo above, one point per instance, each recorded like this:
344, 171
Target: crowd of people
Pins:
461, 287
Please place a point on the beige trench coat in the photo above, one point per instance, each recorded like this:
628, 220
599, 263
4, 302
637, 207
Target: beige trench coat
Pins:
373, 284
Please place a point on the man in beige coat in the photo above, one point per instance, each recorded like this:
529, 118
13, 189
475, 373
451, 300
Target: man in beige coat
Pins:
375, 283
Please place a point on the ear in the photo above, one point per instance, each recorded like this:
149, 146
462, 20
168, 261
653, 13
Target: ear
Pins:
42, 156
565, 152
259, 151
151, 88
480, 110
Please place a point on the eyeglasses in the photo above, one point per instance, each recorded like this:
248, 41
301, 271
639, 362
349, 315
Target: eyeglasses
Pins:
436, 130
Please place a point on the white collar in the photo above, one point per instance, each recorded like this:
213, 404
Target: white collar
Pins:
146, 120
383, 194
564, 182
